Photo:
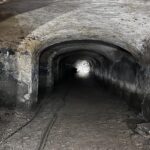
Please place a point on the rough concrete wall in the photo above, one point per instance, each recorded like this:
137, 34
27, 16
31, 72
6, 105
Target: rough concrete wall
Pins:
8, 82
129, 79
15, 77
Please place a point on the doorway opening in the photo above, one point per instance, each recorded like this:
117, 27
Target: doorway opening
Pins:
108, 64
82, 78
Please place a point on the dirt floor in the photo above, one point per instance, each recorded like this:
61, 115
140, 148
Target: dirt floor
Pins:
77, 116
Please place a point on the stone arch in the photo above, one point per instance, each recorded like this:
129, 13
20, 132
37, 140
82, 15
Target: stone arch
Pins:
52, 33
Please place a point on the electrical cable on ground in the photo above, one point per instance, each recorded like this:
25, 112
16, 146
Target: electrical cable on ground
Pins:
51, 123
20, 128
48, 129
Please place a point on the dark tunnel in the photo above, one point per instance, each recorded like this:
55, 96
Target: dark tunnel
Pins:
113, 68
74, 75
93, 82
91, 95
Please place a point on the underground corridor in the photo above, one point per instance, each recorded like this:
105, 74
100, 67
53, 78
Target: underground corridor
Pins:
97, 111
88, 98
74, 75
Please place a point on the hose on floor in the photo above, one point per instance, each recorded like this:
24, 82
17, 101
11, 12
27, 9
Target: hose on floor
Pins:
51, 123
20, 128
49, 127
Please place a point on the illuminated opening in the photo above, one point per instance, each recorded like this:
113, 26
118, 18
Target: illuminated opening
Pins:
83, 68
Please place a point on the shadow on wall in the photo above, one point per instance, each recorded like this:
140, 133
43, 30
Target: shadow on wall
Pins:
3, 1
8, 84
127, 79
9, 8
12, 90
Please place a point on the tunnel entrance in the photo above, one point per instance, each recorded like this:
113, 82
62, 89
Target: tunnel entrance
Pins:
83, 68
93, 90
112, 66
88, 96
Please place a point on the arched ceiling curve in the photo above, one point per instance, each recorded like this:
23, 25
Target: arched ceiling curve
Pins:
122, 23
87, 47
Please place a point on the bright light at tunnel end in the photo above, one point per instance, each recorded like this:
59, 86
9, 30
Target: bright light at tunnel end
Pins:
83, 68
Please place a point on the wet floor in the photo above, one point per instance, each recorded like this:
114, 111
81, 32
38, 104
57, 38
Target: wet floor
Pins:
79, 115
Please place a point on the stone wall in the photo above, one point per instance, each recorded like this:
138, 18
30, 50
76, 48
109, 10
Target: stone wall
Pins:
128, 79
8, 73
